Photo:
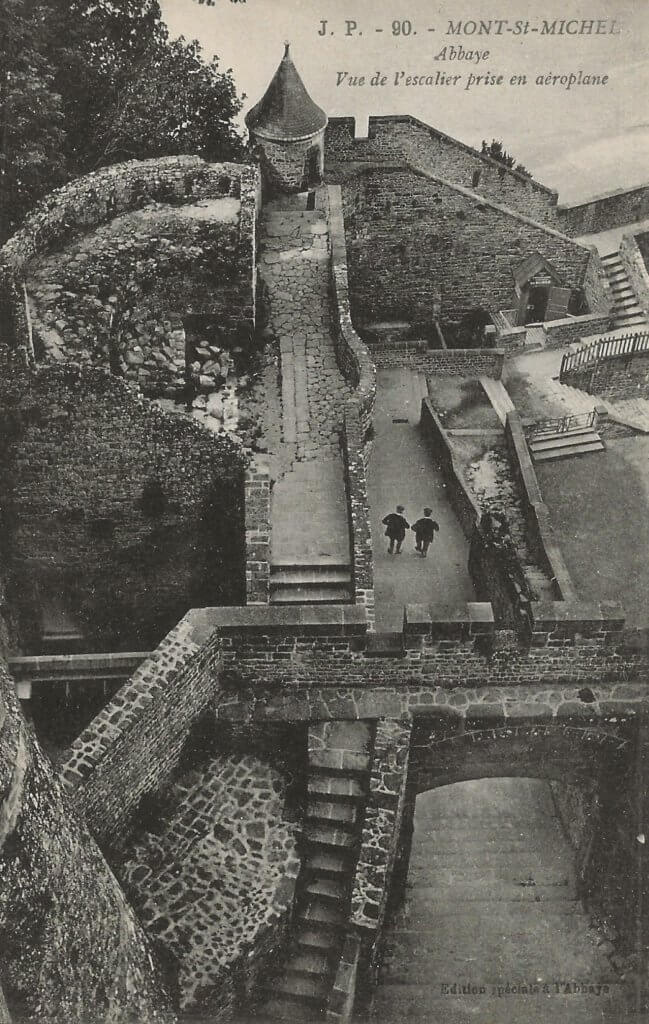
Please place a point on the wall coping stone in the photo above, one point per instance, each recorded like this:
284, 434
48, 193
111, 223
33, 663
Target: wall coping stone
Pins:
344, 619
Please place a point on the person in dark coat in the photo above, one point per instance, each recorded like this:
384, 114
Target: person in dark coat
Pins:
396, 525
425, 530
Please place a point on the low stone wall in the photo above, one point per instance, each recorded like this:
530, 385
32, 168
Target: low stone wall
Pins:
212, 877
257, 499
454, 362
540, 533
356, 365
130, 750
625, 206
561, 332
458, 491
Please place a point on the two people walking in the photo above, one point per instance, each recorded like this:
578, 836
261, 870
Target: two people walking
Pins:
396, 525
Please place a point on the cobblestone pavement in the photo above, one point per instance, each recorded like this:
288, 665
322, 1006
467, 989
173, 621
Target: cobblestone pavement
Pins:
294, 266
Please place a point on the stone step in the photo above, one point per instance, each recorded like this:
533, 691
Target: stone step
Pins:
332, 810
308, 575
322, 914
384, 645
323, 864
342, 760
334, 785
327, 889
548, 435
311, 962
315, 938
327, 835
564, 453
566, 439
325, 594
302, 988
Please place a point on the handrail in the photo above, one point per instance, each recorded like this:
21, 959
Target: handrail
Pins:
562, 425
604, 348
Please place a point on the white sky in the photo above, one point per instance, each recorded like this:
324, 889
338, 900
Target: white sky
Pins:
585, 141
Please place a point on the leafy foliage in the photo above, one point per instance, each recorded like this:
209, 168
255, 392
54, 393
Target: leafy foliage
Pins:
497, 151
85, 83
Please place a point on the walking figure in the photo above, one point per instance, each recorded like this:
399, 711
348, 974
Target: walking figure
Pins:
425, 530
396, 525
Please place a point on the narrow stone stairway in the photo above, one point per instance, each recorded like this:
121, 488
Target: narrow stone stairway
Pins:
627, 311
555, 444
310, 549
491, 930
340, 761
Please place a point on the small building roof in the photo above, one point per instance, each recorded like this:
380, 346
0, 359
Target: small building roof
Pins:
286, 111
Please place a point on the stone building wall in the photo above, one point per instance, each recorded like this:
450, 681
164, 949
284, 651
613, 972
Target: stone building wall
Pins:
625, 206
122, 513
72, 949
284, 162
211, 875
409, 234
406, 139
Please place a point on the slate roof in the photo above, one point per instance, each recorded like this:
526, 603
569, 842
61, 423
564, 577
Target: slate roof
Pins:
286, 111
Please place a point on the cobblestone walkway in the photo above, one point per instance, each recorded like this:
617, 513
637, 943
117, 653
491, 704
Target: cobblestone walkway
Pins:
294, 266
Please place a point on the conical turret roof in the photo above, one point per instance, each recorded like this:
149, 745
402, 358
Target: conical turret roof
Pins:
286, 111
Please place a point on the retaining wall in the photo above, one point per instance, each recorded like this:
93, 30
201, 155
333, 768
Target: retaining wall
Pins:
625, 206
617, 377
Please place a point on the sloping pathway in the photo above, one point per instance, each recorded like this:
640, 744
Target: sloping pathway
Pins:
309, 512
490, 904
402, 471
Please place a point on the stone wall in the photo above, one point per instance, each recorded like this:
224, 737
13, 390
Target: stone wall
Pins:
356, 365
72, 949
625, 206
453, 362
97, 198
117, 297
409, 234
405, 138
211, 874
257, 501
124, 515
634, 253
617, 377
284, 163
559, 333
457, 489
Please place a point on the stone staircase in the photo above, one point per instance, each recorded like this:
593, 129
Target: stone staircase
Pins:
557, 444
320, 583
340, 761
627, 311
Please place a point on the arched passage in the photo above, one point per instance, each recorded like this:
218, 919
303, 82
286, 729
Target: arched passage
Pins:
491, 927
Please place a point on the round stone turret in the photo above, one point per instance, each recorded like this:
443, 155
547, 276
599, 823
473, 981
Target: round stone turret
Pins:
287, 129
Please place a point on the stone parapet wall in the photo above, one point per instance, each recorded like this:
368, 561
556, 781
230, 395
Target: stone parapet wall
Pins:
410, 234
625, 206
358, 511
258, 502
399, 137
540, 533
459, 493
559, 333
72, 948
453, 362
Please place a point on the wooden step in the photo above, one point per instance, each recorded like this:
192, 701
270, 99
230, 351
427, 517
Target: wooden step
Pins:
328, 835
322, 809
564, 453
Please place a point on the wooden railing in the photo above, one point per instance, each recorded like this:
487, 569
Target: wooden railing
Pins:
562, 425
605, 348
